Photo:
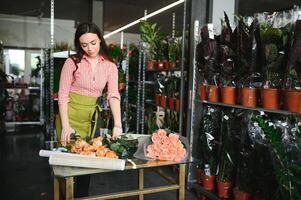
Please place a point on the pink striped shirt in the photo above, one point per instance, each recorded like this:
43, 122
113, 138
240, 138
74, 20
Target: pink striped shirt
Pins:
84, 82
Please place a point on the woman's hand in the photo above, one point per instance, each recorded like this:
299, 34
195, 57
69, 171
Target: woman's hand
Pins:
117, 131
65, 137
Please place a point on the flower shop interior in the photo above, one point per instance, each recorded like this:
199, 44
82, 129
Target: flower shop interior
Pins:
210, 101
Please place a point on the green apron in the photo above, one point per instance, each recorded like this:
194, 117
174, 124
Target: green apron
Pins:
81, 112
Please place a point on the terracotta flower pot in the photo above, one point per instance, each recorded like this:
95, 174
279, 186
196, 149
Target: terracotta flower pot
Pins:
172, 64
178, 105
121, 86
203, 94
202, 197
160, 65
158, 99
151, 65
171, 103
270, 98
228, 95
199, 176
292, 99
213, 93
208, 182
240, 195
224, 189
165, 64
248, 97
163, 101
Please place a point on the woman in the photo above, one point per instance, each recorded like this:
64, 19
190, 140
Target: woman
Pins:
83, 78
82, 81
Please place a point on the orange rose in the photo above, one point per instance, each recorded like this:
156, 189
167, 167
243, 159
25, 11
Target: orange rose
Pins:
174, 138
111, 154
96, 142
162, 132
155, 138
89, 147
101, 151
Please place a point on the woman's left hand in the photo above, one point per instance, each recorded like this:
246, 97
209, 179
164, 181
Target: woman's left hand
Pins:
117, 131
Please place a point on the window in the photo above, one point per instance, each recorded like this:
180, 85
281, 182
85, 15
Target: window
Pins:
14, 60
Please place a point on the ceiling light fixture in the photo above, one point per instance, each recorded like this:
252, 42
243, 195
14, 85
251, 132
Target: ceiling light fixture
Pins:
143, 18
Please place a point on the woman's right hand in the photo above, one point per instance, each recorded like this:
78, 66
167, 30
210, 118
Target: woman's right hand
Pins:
65, 137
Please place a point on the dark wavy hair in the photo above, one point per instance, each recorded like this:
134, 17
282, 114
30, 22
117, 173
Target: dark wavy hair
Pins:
84, 28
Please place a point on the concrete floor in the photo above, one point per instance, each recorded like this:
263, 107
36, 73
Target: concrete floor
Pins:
26, 176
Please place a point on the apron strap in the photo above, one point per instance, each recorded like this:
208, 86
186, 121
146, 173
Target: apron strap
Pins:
95, 121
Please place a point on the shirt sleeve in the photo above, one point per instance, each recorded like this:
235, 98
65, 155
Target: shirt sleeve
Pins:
66, 80
113, 83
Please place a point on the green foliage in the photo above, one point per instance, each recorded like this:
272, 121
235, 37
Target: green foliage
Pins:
287, 170
150, 34
123, 146
151, 121
121, 75
116, 53
174, 50
227, 164
273, 41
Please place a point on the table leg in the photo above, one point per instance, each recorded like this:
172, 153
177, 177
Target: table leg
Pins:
69, 188
56, 189
181, 193
141, 183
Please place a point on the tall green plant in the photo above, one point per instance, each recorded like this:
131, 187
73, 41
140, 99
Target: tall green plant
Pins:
150, 34
287, 169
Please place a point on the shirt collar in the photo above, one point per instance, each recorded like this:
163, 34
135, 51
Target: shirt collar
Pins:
101, 58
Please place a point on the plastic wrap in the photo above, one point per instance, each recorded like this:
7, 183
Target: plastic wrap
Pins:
144, 142
207, 57
227, 55
227, 159
210, 138
284, 146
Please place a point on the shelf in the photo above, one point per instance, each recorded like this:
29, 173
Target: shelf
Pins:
205, 192
146, 82
23, 87
163, 70
22, 123
284, 112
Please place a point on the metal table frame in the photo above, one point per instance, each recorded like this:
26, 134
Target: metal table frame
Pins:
67, 174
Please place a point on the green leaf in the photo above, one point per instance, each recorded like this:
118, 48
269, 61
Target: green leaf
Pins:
114, 147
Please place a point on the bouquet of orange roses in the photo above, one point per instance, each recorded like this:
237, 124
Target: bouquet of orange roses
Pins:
162, 145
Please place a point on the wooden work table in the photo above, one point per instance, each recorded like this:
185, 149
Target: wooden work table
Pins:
67, 174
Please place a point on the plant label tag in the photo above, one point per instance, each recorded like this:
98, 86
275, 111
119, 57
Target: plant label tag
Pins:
226, 117
211, 31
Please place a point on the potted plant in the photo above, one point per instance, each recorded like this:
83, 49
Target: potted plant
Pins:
207, 63
209, 140
151, 121
174, 52
121, 79
292, 93
227, 162
116, 53
247, 61
150, 35
159, 88
286, 157
274, 42
161, 52
242, 190
227, 63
